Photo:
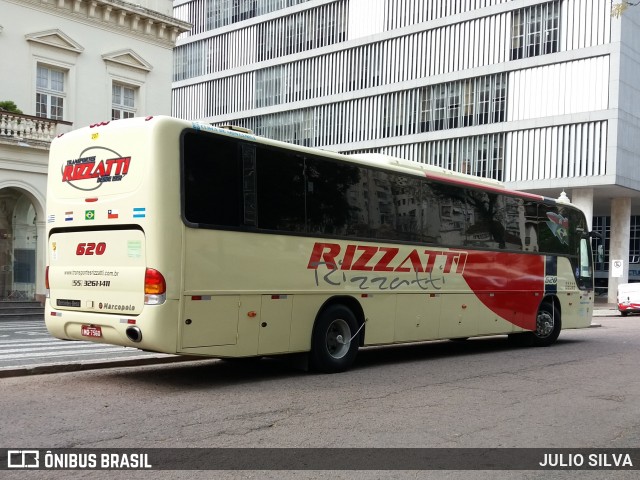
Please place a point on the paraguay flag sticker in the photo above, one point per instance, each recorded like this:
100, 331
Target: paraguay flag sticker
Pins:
139, 212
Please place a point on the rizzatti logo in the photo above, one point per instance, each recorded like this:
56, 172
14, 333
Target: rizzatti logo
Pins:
369, 267
99, 164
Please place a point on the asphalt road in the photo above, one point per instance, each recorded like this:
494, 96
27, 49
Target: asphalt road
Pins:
26, 348
582, 392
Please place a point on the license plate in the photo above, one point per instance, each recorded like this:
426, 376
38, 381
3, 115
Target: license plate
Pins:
91, 331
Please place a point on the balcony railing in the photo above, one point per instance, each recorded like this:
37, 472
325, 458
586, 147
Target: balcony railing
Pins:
27, 130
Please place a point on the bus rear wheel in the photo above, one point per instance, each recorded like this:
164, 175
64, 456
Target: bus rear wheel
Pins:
334, 344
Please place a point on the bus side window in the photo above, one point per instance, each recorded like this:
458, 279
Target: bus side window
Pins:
332, 201
486, 215
249, 185
281, 190
553, 231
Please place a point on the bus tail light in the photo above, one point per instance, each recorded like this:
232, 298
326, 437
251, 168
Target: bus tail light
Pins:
155, 287
46, 281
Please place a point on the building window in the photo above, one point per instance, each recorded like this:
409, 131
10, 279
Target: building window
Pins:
243, 9
482, 155
484, 100
602, 225
439, 111
466, 103
122, 102
534, 30
453, 108
301, 31
499, 98
50, 93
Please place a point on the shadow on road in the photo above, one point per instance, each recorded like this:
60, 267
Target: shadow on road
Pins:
207, 373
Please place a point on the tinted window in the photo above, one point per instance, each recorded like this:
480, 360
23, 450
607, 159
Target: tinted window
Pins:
486, 219
212, 180
281, 190
237, 184
382, 209
407, 194
334, 200
450, 215
553, 230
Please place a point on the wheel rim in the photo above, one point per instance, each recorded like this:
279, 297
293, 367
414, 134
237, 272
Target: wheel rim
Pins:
338, 338
544, 324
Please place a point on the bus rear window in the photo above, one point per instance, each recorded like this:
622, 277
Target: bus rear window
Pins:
211, 176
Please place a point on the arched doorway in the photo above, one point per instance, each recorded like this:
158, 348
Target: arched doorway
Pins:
18, 245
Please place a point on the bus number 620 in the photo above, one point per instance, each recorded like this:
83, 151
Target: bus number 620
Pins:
91, 248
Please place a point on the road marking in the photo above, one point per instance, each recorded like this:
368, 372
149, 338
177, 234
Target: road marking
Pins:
39, 341
65, 353
63, 347
21, 325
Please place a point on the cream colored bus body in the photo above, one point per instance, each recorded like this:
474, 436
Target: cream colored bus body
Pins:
235, 293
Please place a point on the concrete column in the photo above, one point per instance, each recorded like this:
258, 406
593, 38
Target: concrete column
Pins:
619, 243
583, 199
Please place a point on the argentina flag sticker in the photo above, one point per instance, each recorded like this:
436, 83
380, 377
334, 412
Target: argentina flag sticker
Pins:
139, 212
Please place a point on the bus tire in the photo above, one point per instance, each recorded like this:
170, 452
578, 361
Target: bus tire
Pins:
548, 326
332, 347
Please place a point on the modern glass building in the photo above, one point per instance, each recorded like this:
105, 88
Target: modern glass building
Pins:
542, 95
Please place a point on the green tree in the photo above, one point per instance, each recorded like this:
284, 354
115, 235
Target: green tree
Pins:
9, 106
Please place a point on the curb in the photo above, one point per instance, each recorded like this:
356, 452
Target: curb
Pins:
41, 369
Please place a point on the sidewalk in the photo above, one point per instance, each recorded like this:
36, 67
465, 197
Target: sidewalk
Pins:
603, 309
82, 365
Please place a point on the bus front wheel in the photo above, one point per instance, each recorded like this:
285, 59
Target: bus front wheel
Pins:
548, 326
334, 344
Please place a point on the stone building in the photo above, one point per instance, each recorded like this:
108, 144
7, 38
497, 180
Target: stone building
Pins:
66, 64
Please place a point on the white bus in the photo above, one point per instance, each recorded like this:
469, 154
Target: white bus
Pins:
179, 237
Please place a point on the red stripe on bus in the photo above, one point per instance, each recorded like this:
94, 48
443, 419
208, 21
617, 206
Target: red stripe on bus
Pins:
518, 279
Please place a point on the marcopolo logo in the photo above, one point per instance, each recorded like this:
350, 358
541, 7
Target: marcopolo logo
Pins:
94, 167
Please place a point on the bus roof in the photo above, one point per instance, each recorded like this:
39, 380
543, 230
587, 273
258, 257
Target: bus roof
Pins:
380, 160
374, 159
